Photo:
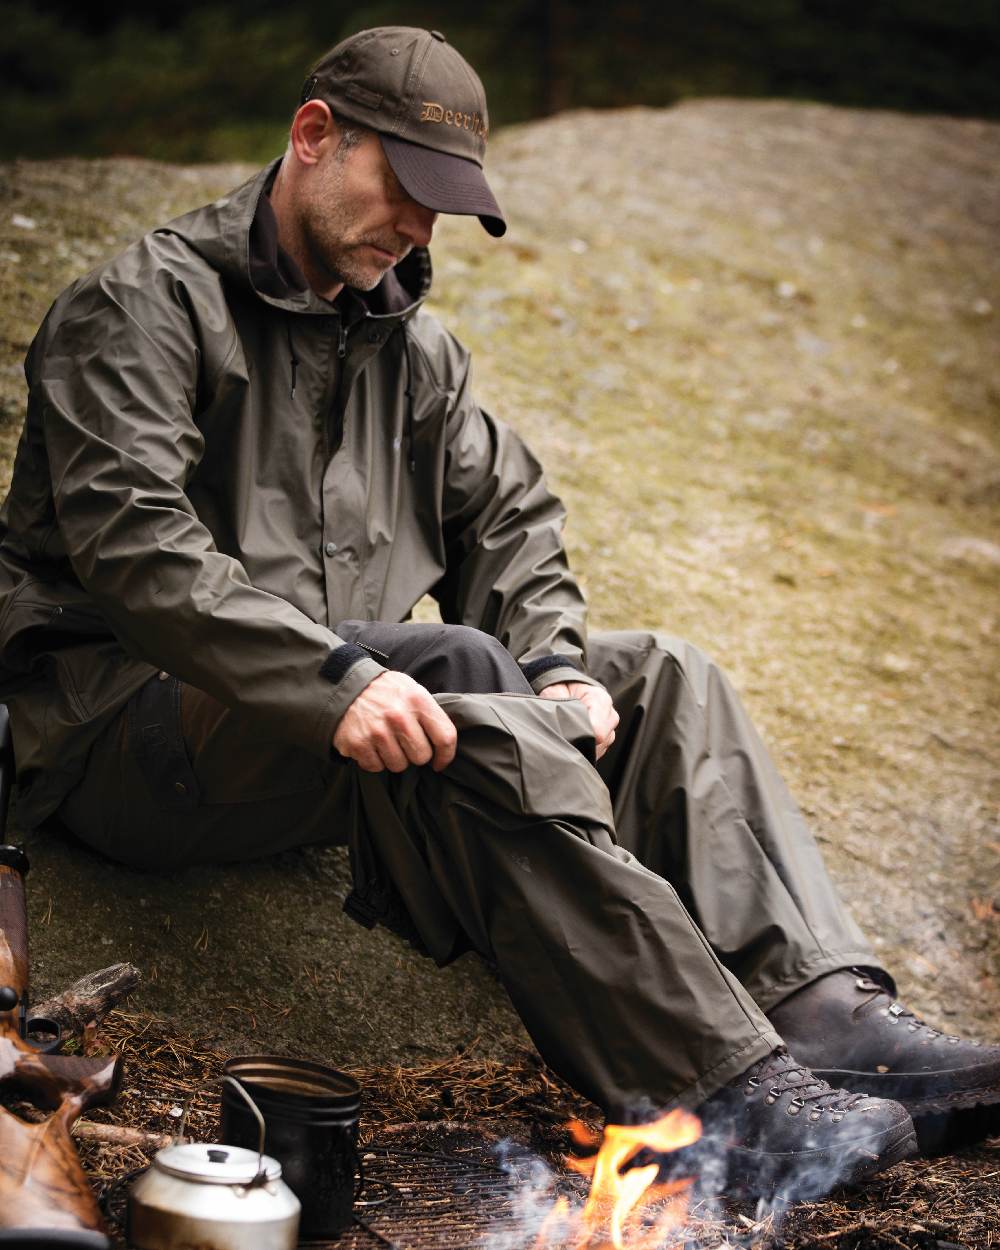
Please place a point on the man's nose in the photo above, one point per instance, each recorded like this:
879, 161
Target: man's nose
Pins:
417, 223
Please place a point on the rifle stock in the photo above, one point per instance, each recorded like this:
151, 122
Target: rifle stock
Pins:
13, 933
45, 1198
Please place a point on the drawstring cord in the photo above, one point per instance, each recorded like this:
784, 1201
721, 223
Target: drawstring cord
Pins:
293, 359
409, 400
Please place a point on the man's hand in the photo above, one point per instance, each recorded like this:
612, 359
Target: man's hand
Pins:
395, 722
597, 701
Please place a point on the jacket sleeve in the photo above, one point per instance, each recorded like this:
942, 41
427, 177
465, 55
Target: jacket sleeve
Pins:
506, 566
114, 381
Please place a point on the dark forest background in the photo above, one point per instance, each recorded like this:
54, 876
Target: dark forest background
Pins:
217, 80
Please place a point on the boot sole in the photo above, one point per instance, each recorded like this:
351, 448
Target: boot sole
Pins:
801, 1175
941, 1133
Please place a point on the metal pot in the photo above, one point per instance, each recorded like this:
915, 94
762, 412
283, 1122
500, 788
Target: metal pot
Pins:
311, 1112
213, 1197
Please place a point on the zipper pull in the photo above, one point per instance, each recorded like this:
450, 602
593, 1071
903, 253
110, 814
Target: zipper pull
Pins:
342, 342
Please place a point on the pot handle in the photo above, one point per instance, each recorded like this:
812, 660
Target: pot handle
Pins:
359, 1187
245, 1095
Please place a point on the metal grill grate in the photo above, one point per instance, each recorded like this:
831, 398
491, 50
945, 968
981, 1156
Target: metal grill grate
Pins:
426, 1200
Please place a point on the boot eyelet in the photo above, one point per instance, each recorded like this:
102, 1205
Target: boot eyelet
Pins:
753, 1083
795, 1106
771, 1098
837, 1117
815, 1115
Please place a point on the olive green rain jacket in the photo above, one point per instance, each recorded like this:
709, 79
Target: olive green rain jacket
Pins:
212, 476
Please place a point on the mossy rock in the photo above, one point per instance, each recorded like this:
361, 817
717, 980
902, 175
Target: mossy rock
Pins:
756, 345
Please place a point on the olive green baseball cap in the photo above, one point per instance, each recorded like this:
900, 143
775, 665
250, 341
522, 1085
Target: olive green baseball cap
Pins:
429, 108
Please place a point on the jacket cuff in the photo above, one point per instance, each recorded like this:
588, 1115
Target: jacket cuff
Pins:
550, 670
349, 669
341, 660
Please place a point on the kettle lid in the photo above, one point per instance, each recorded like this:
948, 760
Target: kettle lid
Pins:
216, 1165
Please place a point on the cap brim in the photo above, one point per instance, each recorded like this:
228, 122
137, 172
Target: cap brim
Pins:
444, 183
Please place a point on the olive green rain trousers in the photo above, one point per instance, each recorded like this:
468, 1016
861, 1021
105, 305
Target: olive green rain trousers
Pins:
643, 914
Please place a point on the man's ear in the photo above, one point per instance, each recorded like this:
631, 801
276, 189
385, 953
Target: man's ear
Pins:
313, 132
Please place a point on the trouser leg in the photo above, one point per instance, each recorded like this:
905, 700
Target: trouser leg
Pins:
514, 842
510, 850
698, 799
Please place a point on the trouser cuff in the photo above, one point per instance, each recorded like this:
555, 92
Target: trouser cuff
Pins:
771, 993
734, 1064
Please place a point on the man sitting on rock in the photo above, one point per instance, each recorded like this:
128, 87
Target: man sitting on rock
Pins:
248, 453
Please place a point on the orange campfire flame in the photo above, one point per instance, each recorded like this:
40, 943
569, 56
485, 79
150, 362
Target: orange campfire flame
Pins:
617, 1198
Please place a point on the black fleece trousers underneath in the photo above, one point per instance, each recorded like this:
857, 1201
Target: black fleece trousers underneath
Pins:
643, 914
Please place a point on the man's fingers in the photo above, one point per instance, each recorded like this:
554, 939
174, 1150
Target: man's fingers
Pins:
395, 753
603, 717
365, 757
418, 749
401, 740
441, 732
392, 753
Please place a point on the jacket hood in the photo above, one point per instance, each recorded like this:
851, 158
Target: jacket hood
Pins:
222, 233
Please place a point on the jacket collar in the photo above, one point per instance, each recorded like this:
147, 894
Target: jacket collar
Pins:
223, 234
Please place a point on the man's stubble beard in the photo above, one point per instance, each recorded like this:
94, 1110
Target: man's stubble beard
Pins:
329, 232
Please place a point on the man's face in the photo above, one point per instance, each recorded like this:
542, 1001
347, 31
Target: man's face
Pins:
357, 220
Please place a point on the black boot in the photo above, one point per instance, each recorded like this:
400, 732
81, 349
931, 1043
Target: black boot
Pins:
851, 1031
780, 1132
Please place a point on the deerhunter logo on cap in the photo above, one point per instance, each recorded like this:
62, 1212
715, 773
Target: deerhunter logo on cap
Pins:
428, 107
453, 117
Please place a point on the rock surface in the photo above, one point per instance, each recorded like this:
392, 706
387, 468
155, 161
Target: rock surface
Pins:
756, 345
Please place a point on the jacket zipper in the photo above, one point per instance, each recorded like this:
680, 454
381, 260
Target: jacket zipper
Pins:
379, 655
333, 425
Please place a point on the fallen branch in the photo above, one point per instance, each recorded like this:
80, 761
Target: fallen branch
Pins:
120, 1135
90, 998
815, 1239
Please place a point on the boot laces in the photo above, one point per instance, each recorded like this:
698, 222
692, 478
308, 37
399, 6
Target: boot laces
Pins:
780, 1071
876, 991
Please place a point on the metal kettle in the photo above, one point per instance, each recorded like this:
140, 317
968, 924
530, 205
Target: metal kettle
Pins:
213, 1197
